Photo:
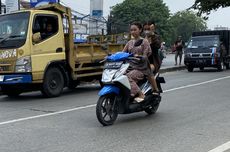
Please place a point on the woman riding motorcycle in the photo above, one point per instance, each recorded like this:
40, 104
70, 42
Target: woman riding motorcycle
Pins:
141, 49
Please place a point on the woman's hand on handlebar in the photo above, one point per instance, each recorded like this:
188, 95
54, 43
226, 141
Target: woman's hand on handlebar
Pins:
135, 58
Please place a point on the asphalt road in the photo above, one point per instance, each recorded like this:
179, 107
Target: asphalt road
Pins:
193, 117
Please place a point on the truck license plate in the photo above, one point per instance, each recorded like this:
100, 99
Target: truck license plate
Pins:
1, 78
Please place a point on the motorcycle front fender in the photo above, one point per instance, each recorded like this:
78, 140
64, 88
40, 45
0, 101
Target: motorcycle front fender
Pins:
108, 89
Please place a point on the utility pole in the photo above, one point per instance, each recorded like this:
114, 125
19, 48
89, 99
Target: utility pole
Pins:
0, 6
19, 4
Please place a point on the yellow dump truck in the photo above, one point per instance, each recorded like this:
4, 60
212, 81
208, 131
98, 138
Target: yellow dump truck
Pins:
37, 52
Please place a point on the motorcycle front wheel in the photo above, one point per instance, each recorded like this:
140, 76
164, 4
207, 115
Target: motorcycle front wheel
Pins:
106, 109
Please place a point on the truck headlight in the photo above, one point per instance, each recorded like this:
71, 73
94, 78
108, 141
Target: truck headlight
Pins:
23, 64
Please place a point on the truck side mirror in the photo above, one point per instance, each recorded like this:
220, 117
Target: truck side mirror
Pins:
36, 37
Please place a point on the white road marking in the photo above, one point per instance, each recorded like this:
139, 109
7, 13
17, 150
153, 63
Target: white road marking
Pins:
93, 105
197, 84
222, 148
46, 115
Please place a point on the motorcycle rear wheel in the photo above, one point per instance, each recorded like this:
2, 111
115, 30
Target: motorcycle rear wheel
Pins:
152, 109
106, 109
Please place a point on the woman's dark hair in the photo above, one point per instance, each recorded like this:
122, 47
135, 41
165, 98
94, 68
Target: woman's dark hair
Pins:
149, 23
138, 24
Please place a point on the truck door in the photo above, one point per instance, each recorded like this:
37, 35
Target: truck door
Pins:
49, 45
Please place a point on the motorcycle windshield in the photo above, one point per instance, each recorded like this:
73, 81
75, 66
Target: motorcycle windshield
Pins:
119, 56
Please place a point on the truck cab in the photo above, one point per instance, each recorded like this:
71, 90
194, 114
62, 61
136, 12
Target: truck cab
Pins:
37, 52
207, 49
26, 48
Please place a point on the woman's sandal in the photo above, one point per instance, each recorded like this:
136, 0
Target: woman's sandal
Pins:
138, 99
156, 93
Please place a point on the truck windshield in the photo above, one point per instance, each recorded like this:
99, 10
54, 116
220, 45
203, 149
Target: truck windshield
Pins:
204, 42
13, 29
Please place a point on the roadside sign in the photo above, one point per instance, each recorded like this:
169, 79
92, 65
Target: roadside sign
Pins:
12, 5
97, 13
36, 3
96, 8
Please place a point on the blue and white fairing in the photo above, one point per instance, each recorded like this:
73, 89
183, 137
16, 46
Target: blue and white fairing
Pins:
114, 71
119, 56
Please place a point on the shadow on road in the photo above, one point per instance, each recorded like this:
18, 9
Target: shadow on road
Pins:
206, 70
37, 95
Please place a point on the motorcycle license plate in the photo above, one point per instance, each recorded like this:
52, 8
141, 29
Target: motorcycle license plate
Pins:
113, 65
1, 78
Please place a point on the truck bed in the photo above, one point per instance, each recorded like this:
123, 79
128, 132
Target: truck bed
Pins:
88, 57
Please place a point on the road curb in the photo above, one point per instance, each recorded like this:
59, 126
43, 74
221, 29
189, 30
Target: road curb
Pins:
170, 69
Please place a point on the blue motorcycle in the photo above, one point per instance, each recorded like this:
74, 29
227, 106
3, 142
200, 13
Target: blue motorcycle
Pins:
115, 95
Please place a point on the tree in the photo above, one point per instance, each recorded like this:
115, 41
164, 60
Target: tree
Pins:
184, 23
139, 10
205, 6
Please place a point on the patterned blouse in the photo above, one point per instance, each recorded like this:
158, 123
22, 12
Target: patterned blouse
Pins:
143, 50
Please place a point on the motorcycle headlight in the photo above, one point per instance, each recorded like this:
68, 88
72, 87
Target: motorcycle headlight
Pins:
122, 70
107, 75
23, 64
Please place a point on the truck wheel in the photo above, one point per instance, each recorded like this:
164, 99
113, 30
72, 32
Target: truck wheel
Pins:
190, 69
53, 83
220, 67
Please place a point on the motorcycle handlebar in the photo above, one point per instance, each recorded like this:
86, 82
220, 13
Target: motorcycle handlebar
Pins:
129, 58
102, 61
135, 58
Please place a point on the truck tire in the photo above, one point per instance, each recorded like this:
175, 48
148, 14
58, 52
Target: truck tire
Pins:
190, 68
53, 83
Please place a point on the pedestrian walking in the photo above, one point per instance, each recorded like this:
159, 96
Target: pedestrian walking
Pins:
179, 45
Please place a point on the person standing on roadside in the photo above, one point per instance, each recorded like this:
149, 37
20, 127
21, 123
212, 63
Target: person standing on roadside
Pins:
179, 45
